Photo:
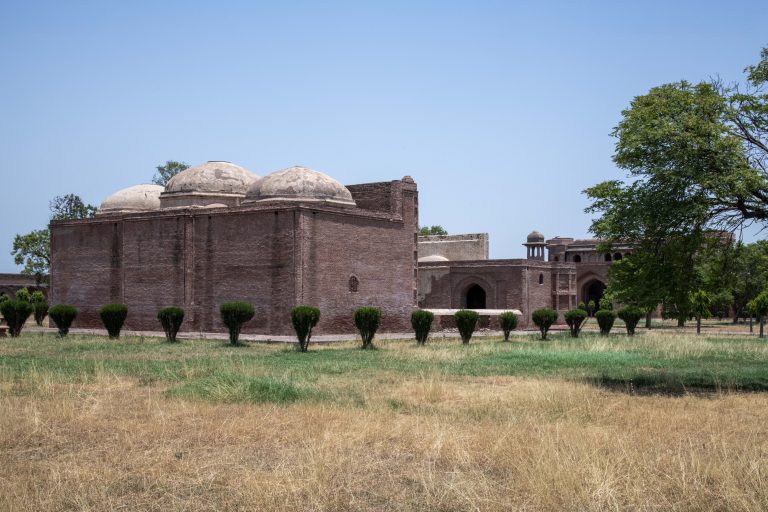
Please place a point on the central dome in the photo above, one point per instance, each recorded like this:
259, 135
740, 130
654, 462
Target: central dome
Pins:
214, 182
212, 177
299, 184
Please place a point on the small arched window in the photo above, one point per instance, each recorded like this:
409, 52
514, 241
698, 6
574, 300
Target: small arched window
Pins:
557, 258
577, 259
541, 278
617, 256
607, 257
354, 284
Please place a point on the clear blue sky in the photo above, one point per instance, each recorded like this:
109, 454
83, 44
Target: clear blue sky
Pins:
501, 111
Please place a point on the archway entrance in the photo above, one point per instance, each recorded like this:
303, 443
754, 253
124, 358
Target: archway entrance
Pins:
475, 297
594, 290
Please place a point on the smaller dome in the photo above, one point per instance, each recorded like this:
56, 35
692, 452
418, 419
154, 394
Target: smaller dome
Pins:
432, 258
299, 184
213, 177
535, 236
139, 198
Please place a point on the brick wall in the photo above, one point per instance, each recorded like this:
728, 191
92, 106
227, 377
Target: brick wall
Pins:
274, 257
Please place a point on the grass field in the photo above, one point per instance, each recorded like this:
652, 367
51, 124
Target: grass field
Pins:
658, 422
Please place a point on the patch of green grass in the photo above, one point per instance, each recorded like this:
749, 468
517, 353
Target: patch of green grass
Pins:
213, 370
235, 388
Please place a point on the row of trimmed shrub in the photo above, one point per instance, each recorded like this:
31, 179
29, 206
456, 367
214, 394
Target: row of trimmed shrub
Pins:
545, 317
304, 318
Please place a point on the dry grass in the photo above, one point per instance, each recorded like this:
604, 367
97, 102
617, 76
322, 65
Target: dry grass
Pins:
425, 442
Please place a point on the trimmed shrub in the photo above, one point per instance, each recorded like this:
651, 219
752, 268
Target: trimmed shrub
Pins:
40, 310
631, 315
466, 321
304, 318
16, 312
63, 315
367, 322
234, 315
606, 304
605, 319
3, 297
37, 296
113, 316
575, 319
581, 305
421, 321
171, 319
23, 294
508, 321
591, 308
544, 318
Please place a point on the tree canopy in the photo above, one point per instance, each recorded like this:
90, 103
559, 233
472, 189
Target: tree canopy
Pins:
696, 158
167, 171
432, 230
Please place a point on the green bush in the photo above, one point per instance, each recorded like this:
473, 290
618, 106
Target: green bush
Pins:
466, 320
591, 307
606, 304
575, 319
544, 318
631, 315
234, 315
171, 319
367, 322
508, 321
23, 294
3, 297
304, 318
113, 316
605, 319
40, 309
63, 315
37, 296
15, 312
421, 321
581, 305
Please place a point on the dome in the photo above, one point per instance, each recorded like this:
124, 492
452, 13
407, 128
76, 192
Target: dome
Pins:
299, 184
432, 258
139, 198
535, 236
213, 177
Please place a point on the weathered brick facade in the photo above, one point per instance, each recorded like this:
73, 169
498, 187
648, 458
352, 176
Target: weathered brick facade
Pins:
275, 256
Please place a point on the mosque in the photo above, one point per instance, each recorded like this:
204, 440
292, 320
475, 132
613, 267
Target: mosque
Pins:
218, 232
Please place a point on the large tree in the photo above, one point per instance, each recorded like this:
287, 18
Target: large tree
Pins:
167, 171
33, 250
695, 157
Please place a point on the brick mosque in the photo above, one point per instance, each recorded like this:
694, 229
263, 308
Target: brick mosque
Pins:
218, 232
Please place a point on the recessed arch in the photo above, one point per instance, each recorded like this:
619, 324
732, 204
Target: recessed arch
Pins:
607, 257
593, 290
577, 259
617, 256
475, 297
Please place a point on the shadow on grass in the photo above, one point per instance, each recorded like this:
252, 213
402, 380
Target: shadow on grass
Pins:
677, 383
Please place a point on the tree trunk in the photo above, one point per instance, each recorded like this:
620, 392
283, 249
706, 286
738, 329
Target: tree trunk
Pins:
698, 325
681, 322
648, 320
750, 325
761, 326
